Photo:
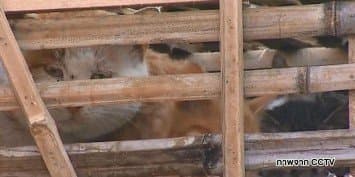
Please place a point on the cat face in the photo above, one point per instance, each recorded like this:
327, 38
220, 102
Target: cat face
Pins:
123, 61
76, 63
83, 63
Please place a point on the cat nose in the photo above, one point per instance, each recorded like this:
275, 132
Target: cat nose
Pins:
74, 110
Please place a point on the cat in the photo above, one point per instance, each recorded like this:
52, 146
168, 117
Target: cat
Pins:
168, 119
88, 123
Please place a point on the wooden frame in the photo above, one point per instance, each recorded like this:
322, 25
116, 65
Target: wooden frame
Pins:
200, 155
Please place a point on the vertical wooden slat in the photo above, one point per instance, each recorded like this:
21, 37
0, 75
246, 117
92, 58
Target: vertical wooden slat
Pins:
41, 124
352, 92
231, 37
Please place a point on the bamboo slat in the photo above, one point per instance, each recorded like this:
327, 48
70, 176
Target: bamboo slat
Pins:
13, 6
352, 92
187, 87
263, 59
190, 26
186, 156
232, 70
333, 18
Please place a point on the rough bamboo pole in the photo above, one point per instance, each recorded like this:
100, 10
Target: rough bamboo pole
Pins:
276, 2
352, 92
185, 156
195, 26
232, 68
257, 59
40, 5
43, 5
263, 59
136, 158
333, 18
262, 150
187, 87
42, 126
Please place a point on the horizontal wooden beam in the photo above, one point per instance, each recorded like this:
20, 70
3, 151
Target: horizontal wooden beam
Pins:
13, 6
276, 2
192, 26
118, 90
265, 149
254, 59
185, 156
263, 59
187, 87
189, 26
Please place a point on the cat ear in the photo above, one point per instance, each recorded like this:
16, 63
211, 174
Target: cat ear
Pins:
140, 50
258, 104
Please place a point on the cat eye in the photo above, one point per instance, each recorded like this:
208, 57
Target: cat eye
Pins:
55, 72
59, 53
179, 54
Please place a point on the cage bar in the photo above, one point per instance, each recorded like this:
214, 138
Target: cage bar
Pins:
195, 26
232, 71
195, 155
15, 6
187, 87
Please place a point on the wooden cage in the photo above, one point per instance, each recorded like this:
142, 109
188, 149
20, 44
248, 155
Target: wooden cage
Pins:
205, 152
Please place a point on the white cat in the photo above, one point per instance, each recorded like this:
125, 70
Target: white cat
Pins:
87, 123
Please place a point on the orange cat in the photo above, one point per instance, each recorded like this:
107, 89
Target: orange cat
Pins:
182, 118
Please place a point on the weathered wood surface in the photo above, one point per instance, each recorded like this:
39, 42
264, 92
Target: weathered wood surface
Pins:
257, 59
276, 2
129, 158
262, 150
232, 81
263, 59
191, 26
352, 92
187, 87
45, 5
124, 29
185, 156
14, 6
42, 126
318, 56
147, 89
